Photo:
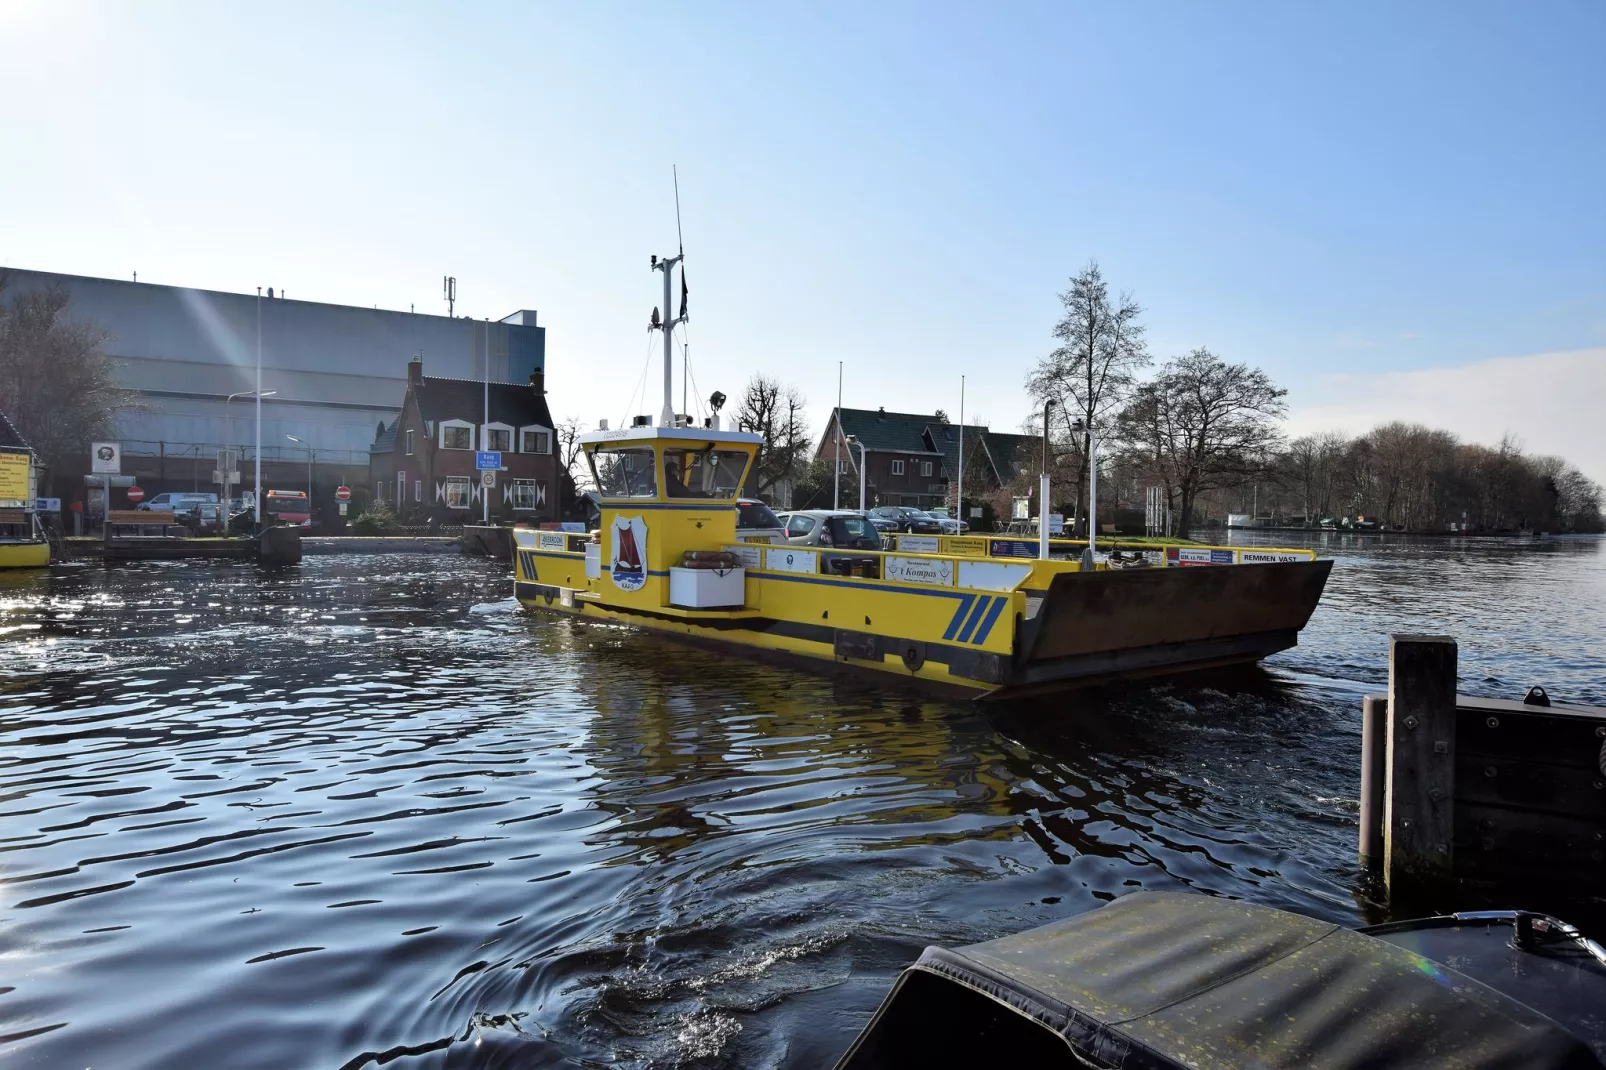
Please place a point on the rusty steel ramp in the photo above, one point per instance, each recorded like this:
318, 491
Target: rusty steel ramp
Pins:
1100, 626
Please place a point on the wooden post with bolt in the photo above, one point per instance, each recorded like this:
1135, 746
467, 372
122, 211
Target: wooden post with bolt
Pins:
1419, 817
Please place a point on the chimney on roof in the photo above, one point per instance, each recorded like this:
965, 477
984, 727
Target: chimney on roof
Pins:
415, 371
538, 381
882, 414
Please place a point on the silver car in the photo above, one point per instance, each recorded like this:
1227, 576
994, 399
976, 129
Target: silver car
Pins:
835, 528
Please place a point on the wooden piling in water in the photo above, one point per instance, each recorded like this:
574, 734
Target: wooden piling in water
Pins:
1419, 812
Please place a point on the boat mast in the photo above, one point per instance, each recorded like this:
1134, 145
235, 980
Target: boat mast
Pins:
666, 418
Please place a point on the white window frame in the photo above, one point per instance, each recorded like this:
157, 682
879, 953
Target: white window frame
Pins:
407, 442
512, 436
464, 424
418, 490
519, 441
512, 496
925, 469
897, 468
458, 481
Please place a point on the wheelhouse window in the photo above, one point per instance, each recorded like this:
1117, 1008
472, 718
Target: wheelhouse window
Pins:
690, 472
457, 438
459, 492
499, 439
624, 471
535, 442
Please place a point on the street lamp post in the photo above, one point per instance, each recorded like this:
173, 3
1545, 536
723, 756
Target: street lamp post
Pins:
308, 448
1092, 491
229, 435
1042, 490
853, 440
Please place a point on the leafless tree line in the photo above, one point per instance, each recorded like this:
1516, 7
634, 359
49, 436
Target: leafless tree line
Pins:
1414, 478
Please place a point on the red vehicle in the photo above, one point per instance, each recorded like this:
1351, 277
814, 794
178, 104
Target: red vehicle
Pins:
288, 507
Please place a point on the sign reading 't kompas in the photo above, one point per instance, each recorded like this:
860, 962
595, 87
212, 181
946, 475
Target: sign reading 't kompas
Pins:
920, 570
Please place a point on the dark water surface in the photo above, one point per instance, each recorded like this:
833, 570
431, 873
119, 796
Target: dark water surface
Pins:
369, 813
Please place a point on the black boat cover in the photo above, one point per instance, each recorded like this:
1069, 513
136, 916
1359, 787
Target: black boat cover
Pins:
1165, 980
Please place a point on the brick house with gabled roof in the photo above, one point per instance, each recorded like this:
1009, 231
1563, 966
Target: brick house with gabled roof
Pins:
913, 458
422, 464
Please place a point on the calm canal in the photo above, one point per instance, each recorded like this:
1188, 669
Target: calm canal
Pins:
367, 812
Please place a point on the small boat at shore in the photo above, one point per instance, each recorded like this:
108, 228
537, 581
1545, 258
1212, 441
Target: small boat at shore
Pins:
966, 615
1181, 981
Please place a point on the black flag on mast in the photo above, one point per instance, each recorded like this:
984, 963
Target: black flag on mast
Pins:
683, 293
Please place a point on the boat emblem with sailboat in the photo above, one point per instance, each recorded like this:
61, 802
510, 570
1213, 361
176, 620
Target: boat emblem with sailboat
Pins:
953, 616
629, 542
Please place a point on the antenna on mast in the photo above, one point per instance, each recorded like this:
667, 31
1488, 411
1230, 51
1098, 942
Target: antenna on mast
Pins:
666, 417
679, 237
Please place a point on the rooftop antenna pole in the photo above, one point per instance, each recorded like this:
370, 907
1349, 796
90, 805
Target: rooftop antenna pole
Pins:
836, 477
959, 499
666, 418
449, 289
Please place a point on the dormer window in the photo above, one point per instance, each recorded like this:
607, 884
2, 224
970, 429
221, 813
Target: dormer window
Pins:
498, 438
456, 435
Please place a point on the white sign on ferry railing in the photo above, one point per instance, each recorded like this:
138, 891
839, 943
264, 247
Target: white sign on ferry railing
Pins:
918, 544
552, 540
788, 560
1056, 523
749, 554
920, 570
992, 575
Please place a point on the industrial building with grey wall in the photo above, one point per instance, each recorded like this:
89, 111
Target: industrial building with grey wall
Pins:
334, 373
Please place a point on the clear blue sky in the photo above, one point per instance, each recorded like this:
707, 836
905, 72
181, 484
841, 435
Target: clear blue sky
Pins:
1362, 188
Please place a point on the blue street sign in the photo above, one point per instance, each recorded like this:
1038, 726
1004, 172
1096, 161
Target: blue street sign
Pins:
491, 459
47, 505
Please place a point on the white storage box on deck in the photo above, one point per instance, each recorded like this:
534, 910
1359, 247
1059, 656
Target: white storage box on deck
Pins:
707, 588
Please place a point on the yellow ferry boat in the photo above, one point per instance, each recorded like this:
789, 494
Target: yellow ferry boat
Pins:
960, 613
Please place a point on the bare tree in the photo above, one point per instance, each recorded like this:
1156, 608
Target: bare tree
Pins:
1093, 371
774, 411
1203, 424
571, 458
57, 383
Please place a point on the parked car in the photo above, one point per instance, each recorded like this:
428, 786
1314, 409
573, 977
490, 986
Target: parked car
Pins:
883, 525
950, 525
180, 502
755, 522
908, 519
834, 528
206, 518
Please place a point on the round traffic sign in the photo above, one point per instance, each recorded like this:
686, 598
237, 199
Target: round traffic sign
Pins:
135, 494
343, 494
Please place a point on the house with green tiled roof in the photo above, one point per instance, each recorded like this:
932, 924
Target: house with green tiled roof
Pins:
913, 458
901, 467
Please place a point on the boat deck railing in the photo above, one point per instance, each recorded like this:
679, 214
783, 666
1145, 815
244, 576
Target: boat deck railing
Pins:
1170, 554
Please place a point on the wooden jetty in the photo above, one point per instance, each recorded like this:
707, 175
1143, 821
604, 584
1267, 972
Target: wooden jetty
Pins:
1455, 787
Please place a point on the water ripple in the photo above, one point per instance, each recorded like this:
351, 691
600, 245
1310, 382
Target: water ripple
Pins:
369, 814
